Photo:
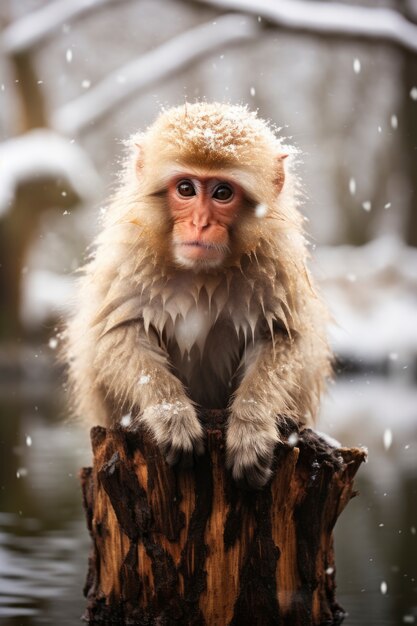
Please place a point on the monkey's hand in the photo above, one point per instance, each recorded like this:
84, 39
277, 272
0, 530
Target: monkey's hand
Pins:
176, 429
252, 435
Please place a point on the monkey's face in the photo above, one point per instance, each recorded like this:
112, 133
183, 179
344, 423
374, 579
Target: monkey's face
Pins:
203, 210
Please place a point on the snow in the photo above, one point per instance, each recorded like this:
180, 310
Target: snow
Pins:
394, 122
375, 314
293, 439
53, 343
126, 420
261, 210
331, 441
42, 153
162, 62
330, 18
44, 294
36, 26
387, 438
366, 407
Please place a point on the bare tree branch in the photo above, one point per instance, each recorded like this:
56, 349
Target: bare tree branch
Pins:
152, 67
41, 154
328, 18
33, 28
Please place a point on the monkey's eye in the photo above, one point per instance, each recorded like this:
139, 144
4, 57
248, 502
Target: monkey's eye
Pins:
186, 188
223, 192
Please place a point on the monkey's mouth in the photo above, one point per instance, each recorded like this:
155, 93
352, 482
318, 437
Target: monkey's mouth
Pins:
198, 244
195, 252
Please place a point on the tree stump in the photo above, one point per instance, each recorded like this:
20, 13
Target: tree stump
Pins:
188, 547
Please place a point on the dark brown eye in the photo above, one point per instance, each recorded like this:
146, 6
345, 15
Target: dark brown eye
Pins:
186, 188
223, 193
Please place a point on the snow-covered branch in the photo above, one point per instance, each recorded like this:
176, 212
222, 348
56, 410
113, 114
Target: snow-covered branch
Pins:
34, 27
329, 18
160, 63
43, 154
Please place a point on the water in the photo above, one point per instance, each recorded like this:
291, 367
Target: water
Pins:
44, 544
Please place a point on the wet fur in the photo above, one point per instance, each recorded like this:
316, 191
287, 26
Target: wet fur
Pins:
155, 339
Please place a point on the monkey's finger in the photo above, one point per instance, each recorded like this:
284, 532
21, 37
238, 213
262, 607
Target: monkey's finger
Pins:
253, 476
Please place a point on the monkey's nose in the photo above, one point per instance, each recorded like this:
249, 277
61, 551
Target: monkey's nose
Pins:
202, 226
200, 222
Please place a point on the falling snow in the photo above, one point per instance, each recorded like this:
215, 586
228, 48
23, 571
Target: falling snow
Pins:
413, 93
383, 587
367, 205
261, 210
293, 439
387, 438
394, 122
28, 441
68, 55
352, 186
356, 66
125, 420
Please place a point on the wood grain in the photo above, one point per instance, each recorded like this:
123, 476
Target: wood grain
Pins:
176, 546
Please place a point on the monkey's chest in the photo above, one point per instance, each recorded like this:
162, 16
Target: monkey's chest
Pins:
206, 332
205, 353
193, 330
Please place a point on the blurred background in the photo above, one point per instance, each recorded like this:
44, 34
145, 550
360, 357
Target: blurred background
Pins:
77, 77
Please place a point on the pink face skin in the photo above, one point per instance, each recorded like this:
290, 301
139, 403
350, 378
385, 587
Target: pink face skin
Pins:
203, 209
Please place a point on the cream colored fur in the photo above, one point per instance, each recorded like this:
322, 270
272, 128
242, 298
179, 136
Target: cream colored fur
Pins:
151, 337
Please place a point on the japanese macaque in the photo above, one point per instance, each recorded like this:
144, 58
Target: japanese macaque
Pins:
198, 294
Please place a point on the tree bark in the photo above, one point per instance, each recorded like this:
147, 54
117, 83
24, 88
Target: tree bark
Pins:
189, 547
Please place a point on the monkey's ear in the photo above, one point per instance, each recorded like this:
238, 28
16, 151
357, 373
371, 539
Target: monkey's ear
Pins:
139, 159
280, 173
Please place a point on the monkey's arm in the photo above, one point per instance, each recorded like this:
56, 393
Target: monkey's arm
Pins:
134, 370
283, 377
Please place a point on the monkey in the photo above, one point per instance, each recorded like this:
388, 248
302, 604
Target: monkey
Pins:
198, 293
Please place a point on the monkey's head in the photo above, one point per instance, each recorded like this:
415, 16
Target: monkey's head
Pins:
209, 178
